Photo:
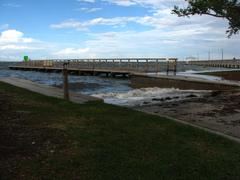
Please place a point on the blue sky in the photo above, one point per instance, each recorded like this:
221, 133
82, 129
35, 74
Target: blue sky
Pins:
108, 28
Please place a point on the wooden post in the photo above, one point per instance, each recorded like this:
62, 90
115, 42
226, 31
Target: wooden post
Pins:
157, 66
175, 67
167, 66
120, 63
147, 66
65, 81
93, 67
137, 65
88, 63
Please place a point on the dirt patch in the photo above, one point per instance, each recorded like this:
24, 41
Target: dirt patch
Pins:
219, 111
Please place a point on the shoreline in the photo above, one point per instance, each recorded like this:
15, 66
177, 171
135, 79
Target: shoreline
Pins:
219, 111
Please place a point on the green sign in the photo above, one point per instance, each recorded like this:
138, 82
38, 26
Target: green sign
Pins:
25, 58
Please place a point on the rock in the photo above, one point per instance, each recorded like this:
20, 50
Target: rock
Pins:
146, 102
191, 96
157, 99
215, 93
168, 98
237, 110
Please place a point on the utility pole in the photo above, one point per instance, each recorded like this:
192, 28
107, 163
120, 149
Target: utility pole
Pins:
222, 53
65, 80
209, 55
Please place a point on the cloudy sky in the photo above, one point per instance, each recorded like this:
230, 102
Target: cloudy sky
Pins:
108, 28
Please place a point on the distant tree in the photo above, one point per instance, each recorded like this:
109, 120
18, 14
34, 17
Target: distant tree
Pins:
228, 9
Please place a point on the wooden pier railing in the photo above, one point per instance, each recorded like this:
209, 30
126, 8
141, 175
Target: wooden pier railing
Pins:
119, 65
231, 63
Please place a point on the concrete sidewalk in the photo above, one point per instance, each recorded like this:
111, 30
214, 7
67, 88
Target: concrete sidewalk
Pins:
47, 90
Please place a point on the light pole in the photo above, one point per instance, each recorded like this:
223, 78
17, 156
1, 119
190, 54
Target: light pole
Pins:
209, 55
222, 53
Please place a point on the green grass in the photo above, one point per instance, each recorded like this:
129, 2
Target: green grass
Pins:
100, 141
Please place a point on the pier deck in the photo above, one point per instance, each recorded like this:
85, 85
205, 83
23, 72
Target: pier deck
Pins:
102, 66
78, 71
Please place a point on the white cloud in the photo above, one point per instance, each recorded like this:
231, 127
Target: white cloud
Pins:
69, 24
4, 26
13, 43
160, 19
18, 47
116, 21
13, 5
88, 10
147, 3
179, 43
122, 2
14, 36
89, 1
167, 35
70, 52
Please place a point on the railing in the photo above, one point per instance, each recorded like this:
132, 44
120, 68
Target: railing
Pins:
129, 65
231, 63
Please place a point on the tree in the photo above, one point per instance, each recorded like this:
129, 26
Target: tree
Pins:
228, 9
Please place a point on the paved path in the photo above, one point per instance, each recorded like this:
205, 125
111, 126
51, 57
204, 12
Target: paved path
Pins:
47, 90
236, 139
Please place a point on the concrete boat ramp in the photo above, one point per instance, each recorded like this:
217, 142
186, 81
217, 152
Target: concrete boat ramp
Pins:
142, 80
47, 90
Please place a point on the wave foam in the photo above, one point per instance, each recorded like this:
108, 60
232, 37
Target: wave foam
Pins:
147, 96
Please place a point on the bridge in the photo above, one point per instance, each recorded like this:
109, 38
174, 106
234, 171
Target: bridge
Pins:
228, 63
109, 67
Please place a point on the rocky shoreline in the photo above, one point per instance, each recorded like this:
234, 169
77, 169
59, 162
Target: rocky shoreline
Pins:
219, 111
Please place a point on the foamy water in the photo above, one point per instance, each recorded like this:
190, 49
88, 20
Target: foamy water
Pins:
147, 96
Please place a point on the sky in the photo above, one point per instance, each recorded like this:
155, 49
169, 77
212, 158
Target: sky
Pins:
57, 29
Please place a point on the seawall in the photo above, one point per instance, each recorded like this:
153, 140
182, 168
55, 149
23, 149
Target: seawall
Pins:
162, 81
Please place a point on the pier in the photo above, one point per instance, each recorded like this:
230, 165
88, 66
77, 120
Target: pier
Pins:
137, 69
108, 67
228, 63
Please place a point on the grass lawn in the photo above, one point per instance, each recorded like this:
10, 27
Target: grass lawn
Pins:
47, 138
